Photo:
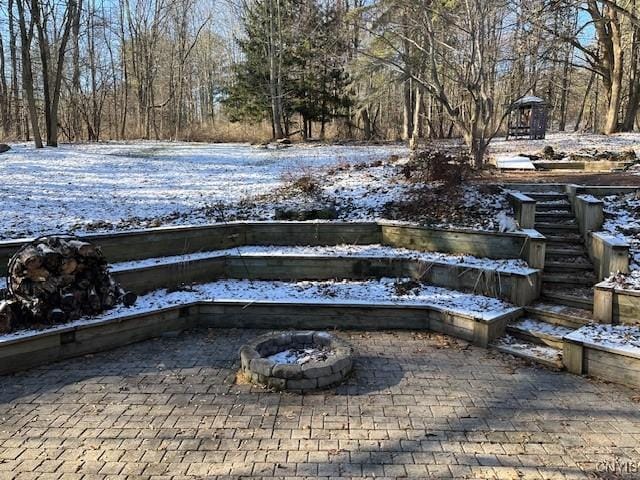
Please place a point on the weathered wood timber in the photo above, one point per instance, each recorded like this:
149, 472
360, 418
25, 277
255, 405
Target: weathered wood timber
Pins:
67, 341
517, 287
166, 241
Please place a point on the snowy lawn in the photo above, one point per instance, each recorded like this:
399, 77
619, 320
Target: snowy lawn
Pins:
121, 186
98, 187
568, 142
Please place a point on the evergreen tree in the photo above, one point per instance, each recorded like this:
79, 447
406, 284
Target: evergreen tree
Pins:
309, 47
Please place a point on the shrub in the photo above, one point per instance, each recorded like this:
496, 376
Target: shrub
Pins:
450, 167
304, 182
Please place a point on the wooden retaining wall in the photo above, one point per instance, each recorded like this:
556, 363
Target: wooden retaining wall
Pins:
519, 287
589, 214
524, 208
168, 241
586, 165
616, 305
609, 254
63, 342
68, 342
608, 364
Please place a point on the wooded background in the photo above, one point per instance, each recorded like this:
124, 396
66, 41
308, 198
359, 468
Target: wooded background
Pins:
75, 70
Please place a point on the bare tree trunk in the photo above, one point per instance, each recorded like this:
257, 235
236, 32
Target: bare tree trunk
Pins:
615, 87
52, 68
584, 102
633, 102
274, 72
562, 123
26, 34
17, 114
416, 130
609, 37
5, 105
407, 110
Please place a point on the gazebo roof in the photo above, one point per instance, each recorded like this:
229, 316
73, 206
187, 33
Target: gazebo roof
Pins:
528, 100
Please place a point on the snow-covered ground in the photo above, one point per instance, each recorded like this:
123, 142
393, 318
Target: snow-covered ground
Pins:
385, 291
625, 338
112, 185
622, 220
507, 154
118, 186
568, 142
373, 250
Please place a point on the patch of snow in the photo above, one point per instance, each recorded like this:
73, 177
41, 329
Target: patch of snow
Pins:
531, 325
508, 161
506, 223
568, 142
622, 220
528, 99
301, 356
620, 338
372, 250
377, 292
106, 186
588, 197
530, 349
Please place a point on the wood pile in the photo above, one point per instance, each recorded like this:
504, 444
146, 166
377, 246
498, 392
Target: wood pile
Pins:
56, 279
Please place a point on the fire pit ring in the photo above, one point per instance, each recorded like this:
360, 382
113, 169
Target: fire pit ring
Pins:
296, 361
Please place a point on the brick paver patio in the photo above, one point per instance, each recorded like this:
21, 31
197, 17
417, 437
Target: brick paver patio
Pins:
417, 406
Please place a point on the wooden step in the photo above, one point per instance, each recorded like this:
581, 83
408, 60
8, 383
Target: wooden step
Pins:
538, 332
550, 217
544, 355
562, 315
547, 196
584, 278
564, 227
576, 298
565, 250
551, 207
563, 239
560, 266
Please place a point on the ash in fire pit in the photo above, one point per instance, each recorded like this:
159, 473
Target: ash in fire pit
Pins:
300, 356
55, 279
297, 361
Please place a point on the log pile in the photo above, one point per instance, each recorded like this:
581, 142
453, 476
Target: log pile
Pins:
56, 279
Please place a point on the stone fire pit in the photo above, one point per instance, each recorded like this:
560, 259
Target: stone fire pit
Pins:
296, 361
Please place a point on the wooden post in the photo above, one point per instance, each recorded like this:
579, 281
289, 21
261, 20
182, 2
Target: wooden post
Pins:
603, 304
572, 357
534, 249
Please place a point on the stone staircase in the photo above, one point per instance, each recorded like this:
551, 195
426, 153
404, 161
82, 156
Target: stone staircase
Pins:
567, 287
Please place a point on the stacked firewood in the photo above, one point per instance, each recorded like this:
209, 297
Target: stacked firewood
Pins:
56, 279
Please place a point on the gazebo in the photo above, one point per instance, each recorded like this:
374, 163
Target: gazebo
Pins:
527, 118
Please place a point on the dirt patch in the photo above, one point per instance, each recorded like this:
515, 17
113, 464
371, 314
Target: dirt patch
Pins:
479, 206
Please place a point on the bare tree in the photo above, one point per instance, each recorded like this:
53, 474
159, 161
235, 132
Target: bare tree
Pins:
460, 49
